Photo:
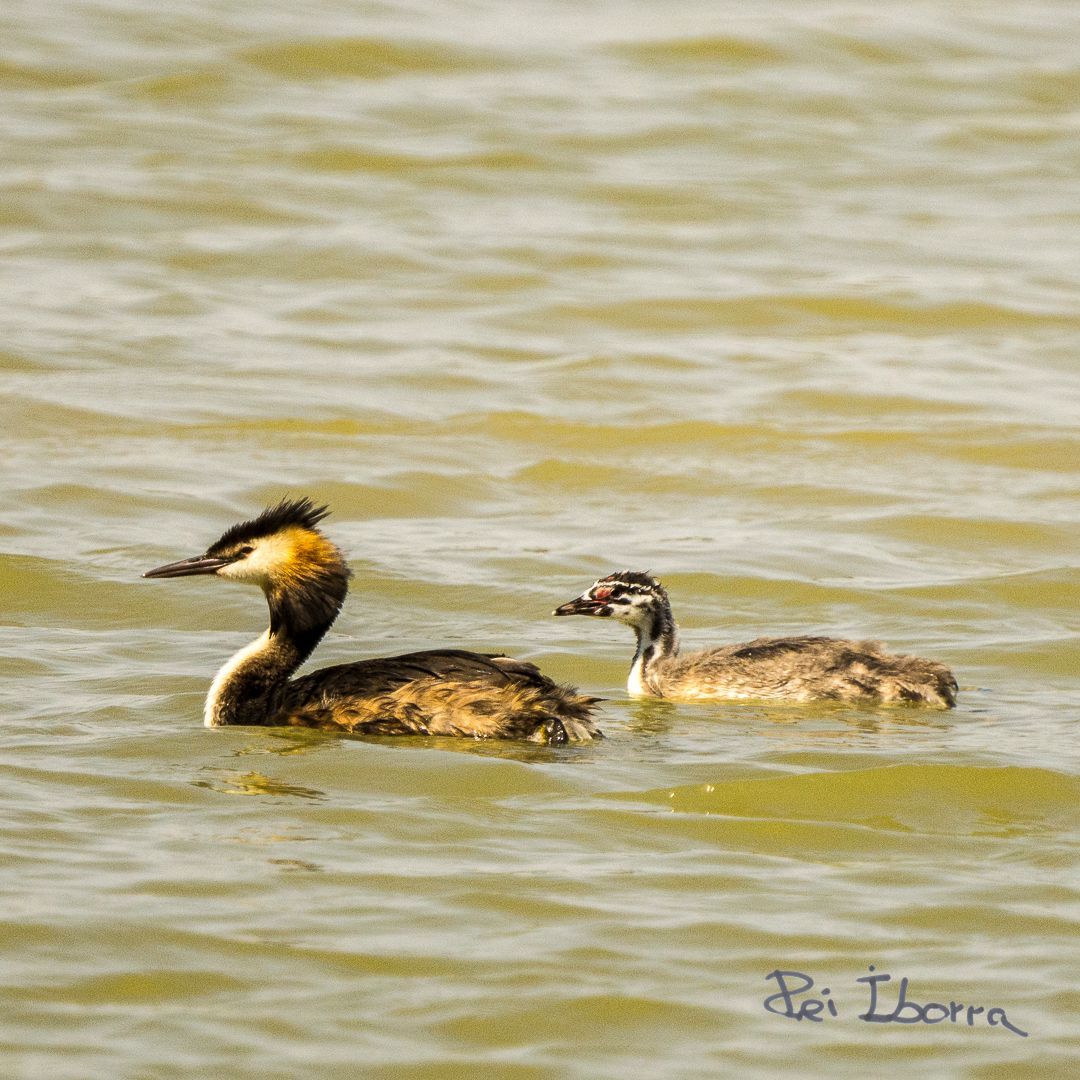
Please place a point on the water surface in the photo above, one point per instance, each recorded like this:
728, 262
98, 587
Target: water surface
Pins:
778, 301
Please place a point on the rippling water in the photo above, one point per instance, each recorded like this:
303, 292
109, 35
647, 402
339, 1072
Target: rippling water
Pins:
777, 300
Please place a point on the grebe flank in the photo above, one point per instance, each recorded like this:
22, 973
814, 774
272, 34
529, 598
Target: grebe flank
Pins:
439, 692
797, 669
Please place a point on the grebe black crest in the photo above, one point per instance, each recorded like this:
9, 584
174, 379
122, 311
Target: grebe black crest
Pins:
798, 669
438, 692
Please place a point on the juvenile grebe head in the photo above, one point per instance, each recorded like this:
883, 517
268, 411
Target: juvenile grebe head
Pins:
641, 602
630, 596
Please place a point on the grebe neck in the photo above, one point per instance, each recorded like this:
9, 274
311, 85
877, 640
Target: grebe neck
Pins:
247, 689
657, 640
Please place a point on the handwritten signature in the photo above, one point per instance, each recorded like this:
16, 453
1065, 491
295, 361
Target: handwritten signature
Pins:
792, 985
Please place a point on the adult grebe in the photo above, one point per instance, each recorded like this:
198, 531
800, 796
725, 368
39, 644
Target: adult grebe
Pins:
439, 692
784, 669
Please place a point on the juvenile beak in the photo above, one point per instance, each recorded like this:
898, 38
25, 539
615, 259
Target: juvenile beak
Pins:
582, 605
200, 564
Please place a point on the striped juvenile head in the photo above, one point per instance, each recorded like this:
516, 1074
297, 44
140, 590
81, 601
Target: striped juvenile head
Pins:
630, 596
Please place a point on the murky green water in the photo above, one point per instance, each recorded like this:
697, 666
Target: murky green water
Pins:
778, 300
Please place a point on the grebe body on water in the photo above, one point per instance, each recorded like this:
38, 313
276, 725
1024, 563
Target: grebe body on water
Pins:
438, 692
796, 669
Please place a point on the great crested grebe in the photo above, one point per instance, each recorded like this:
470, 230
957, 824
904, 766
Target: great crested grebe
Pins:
438, 692
796, 669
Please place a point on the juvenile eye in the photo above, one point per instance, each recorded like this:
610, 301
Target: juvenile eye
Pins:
245, 551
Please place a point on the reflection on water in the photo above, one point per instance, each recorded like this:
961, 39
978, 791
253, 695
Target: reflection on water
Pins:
296, 865
286, 741
650, 716
254, 783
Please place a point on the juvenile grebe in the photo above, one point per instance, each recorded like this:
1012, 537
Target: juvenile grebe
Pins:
439, 692
786, 669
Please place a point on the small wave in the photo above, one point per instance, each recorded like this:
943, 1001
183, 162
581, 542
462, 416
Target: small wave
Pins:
363, 58
708, 49
925, 799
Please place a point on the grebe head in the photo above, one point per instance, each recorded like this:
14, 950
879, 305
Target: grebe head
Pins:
630, 596
282, 548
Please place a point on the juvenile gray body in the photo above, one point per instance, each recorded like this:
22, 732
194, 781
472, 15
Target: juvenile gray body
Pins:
798, 669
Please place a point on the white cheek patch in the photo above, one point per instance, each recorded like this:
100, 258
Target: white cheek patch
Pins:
269, 555
631, 613
243, 570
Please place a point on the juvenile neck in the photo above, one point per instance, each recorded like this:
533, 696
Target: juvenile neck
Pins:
657, 640
248, 688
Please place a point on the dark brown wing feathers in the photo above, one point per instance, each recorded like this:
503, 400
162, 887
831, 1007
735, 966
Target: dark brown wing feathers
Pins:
440, 692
